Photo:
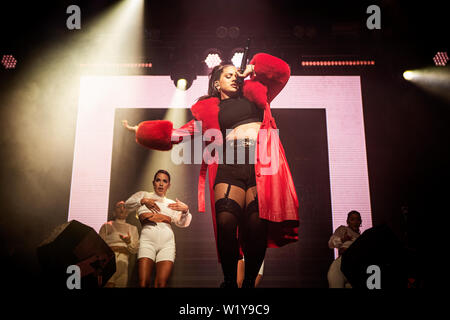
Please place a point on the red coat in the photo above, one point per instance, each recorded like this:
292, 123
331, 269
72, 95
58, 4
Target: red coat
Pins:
278, 202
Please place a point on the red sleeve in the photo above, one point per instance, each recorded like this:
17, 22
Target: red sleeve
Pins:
160, 135
272, 72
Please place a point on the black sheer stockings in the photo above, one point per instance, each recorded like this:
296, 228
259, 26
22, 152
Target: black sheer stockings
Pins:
230, 216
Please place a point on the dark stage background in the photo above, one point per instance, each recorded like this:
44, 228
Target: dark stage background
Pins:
406, 127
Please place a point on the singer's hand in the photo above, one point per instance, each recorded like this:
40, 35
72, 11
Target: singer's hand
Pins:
127, 126
249, 69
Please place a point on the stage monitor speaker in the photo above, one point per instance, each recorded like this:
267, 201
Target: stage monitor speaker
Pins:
377, 246
74, 243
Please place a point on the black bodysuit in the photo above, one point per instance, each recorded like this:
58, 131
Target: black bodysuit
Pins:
232, 113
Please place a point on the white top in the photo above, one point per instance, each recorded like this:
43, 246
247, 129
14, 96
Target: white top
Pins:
177, 217
110, 232
335, 240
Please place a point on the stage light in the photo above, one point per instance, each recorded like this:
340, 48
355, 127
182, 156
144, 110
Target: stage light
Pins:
8, 61
212, 60
334, 63
182, 66
178, 115
435, 80
183, 75
236, 57
408, 75
221, 32
441, 59
183, 81
233, 32
114, 37
51, 88
106, 65
213, 57
182, 84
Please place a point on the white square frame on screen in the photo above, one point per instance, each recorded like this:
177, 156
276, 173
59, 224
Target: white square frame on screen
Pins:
340, 96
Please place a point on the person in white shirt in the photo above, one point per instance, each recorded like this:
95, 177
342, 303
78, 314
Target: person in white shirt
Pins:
123, 239
157, 243
341, 239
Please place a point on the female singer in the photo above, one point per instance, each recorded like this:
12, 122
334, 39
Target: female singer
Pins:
258, 196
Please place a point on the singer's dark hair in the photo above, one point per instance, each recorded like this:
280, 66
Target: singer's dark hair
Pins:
214, 75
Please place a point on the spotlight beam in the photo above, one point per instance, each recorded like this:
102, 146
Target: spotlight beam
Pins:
177, 113
435, 80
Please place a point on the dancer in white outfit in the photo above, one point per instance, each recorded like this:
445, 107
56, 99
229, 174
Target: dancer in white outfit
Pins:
341, 239
157, 242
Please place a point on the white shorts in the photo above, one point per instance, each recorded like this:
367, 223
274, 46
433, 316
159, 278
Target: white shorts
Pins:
157, 243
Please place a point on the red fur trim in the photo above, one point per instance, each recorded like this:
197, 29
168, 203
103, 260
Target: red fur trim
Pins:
207, 111
155, 134
272, 72
256, 92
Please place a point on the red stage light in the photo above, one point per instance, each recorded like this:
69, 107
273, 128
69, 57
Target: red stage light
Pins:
326, 63
441, 59
8, 61
116, 65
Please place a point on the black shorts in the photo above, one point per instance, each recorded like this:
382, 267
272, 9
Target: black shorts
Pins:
241, 175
